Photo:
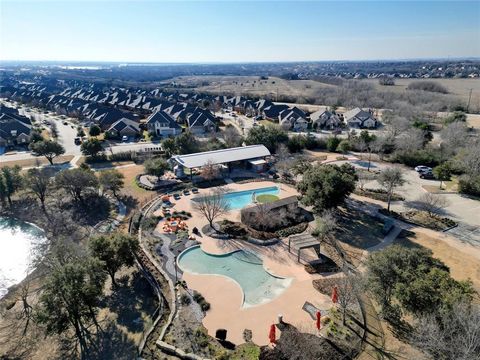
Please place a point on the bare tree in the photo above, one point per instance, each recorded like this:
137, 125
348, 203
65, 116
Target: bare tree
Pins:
410, 140
209, 171
363, 178
452, 335
347, 296
454, 136
390, 178
39, 182
231, 136
470, 159
325, 224
432, 204
212, 206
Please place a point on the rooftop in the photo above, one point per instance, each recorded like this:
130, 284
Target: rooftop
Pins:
222, 156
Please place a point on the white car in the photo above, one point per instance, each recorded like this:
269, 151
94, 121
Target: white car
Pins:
422, 168
124, 138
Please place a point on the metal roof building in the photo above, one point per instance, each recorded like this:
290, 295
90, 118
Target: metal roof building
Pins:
222, 156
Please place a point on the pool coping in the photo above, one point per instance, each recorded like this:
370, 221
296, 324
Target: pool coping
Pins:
228, 277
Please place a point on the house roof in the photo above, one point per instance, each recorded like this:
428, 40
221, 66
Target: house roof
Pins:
222, 156
162, 117
358, 113
121, 124
200, 117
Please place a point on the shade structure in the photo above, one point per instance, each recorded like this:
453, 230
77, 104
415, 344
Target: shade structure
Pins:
335, 294
319, 315
272, 335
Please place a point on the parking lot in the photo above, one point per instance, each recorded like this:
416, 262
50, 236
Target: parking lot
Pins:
461, 208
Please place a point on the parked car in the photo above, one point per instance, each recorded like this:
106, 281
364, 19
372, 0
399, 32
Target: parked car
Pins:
124, 138
426, 175
422, 168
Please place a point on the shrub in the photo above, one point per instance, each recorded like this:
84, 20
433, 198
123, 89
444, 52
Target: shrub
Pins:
200, 300
469, 185
185, 299
296, 229
417, 157
344, 146
430, 86
332, 143
122, 156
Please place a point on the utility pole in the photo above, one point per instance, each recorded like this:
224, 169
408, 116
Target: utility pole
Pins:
469, 98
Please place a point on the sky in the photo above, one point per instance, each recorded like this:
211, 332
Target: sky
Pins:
230, 31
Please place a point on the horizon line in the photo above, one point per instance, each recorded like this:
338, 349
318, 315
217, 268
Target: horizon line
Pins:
119, 62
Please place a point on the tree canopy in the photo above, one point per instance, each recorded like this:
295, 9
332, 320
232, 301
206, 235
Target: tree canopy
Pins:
111, 180
156, 166
70, 298
39, 182
326, 186
76, 182
270, 136
114, 251
10, 182
48, 148
419, 282
91, 147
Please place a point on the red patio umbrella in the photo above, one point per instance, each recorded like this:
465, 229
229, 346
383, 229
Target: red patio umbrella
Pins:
272, 336
335, 294
319, 315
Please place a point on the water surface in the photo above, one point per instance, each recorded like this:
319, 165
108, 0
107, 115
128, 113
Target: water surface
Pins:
18, 241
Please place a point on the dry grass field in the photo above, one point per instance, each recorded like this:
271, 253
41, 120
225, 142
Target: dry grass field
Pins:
276, 88
251, 85
457, 87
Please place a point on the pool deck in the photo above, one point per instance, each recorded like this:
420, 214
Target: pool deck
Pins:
225, 296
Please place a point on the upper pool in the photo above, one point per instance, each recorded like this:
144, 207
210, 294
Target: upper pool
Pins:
245, 268
239, 199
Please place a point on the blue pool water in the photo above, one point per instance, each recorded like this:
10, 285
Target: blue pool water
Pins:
243, 267
239, 199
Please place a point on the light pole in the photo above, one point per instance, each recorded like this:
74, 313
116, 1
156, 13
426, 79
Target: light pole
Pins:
176, 273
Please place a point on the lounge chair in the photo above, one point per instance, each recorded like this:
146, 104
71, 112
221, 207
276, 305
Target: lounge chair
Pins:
195, 190
176, 196
186, 192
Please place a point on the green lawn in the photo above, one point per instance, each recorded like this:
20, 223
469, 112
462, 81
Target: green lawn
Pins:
266, 198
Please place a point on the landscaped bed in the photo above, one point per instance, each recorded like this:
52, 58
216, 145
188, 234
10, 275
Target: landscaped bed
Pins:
378, 194
422, 218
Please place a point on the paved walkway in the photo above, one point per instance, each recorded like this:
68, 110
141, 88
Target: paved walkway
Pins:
374, 338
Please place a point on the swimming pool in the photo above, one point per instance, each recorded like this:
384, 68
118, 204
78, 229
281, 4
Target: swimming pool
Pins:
239, 199
245, 268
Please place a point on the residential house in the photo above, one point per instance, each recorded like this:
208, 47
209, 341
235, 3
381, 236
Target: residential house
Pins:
124, 127
201, 121
162, 124
324, 119
273, 111
293, 119
358, 118
15, 129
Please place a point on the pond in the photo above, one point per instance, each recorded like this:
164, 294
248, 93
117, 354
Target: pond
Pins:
18, 241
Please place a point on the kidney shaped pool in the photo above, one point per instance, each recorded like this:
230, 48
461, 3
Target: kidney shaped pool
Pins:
245, 268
